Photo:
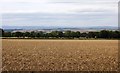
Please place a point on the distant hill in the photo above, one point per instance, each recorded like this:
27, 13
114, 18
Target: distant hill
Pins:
50, 28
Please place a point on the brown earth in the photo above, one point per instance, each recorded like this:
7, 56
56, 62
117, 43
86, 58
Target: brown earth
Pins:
59, 55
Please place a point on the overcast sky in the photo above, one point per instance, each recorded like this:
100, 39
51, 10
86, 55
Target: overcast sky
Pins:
77, 13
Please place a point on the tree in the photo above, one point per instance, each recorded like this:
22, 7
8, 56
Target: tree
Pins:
1, 32
116, 34
18, 34
54, 34
104, 34
27, 34
67, 34
72, 34
77, 34
46, 35
39, 34
7, 34
33, 34
60, 34
93, 34
84, 34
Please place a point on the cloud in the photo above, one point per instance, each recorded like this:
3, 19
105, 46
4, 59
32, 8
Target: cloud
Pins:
55, 6
59, 12
44, 19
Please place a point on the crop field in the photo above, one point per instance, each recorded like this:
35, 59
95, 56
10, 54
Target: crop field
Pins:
59, 55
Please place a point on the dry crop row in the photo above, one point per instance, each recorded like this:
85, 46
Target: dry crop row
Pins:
59, 55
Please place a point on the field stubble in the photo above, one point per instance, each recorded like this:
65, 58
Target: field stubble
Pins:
59, 55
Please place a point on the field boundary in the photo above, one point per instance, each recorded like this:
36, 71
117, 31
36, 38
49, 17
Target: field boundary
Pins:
59, 72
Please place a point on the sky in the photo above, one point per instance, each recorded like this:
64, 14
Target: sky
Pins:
73, 13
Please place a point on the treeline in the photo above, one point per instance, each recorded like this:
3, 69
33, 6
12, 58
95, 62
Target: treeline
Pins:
66, 34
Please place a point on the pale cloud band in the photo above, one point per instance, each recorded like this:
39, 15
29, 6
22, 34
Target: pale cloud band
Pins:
57, 6
80, 11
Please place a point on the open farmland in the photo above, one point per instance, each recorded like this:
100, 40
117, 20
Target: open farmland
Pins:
59, 55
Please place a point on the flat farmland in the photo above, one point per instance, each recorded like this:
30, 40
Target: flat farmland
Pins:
59, 55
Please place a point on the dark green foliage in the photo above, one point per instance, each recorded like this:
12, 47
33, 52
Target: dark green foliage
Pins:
33, 34
93, 35
18, 34
84, 35
104, 34
27, 34
77, 34
1, 32
67, 34
7, 34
